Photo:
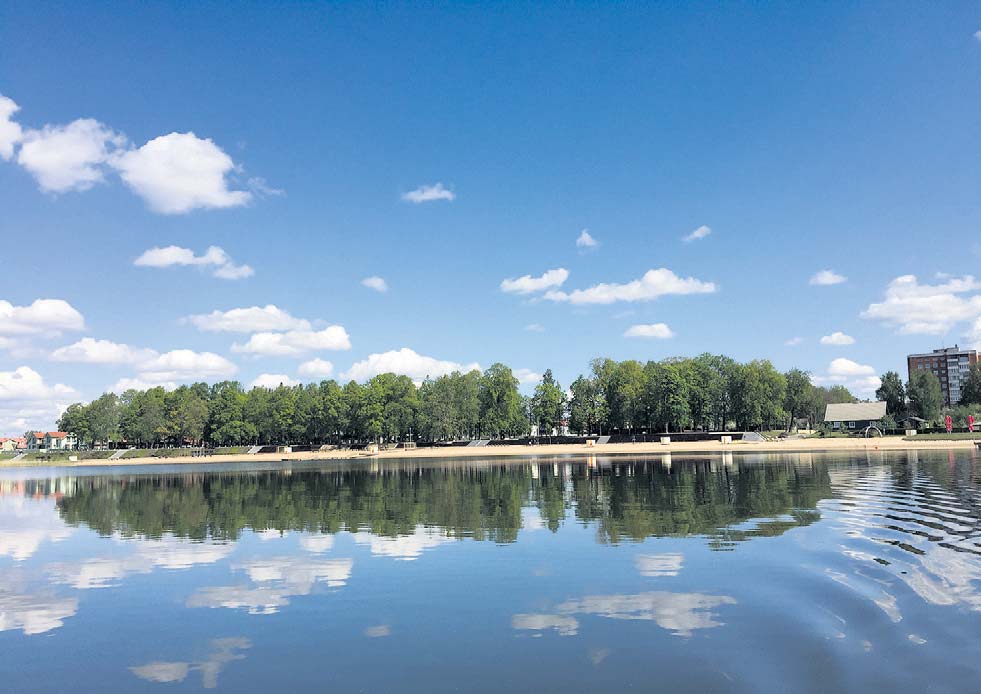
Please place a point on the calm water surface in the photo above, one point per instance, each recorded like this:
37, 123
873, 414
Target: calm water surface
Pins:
804, 573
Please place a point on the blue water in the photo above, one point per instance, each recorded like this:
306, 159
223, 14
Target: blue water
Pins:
802, 573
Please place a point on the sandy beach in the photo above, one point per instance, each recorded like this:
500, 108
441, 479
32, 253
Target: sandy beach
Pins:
789, 446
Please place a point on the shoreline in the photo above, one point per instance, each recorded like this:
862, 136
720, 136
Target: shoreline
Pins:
792, 446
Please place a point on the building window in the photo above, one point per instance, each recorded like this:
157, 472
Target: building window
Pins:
851, 425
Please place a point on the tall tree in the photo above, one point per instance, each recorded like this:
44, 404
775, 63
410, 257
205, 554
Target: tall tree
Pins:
892, 392
971, 389
925, 396
548, 404
797, 396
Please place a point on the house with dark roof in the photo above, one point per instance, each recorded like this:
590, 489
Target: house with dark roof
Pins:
854, 416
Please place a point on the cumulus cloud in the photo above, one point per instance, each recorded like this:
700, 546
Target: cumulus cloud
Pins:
27, 401
562, 624
376, 283
427, 193
851, 374
586, 240
654, 284
699, 233
527, 376
69, 157
91, 351
186, 365
932, 309
405, 362
527, 284
42, 316
653, 565
794, 341
180, 172
659, 331
295, 342
10, 130
316, 368
248, 320
273, 381
679, 613
130, 383
826, 278
25, 384
404, 547
173, 173
215, 258
837, 338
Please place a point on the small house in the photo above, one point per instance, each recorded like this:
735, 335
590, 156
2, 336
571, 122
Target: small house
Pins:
60, 441
854, 416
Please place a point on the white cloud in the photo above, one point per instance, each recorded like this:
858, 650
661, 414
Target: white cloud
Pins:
846, 368
535, 328
653, 565
186, 365
837, 338
794, 341
528, 284
429, 194
699, 233
318, 544
27, 402
180, 172
215, 257
295, 342
34, 614
659, 331
248, 320
914, 308
851, 374
42, 316
404, 362
316, 368
826, 278
404, 547
273, 381
376, 283
654, 284
562, 624
91, 351
124, 384
10, 130
679, 613
977, 35
379, 631
586, 240
527, 376
69, 157
24, 384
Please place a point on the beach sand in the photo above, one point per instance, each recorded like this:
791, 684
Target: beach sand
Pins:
789, 446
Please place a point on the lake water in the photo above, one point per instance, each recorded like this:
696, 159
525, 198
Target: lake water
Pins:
714, 573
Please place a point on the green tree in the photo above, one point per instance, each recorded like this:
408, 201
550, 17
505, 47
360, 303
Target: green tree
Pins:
75, 420
548, 404
925, 396
798, 395
971, 388
500, 403
892, 392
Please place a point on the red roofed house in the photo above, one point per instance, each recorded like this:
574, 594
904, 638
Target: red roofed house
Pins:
51, 440
13, 443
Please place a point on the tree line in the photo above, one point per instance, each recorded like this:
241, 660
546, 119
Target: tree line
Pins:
922, 397
707, 392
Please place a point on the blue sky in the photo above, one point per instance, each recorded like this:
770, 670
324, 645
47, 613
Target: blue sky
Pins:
824, 137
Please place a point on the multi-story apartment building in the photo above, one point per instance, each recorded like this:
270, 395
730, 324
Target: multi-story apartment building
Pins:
949, 364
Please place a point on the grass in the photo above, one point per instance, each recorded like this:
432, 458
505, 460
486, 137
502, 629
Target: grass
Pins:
944, 436
64, 455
